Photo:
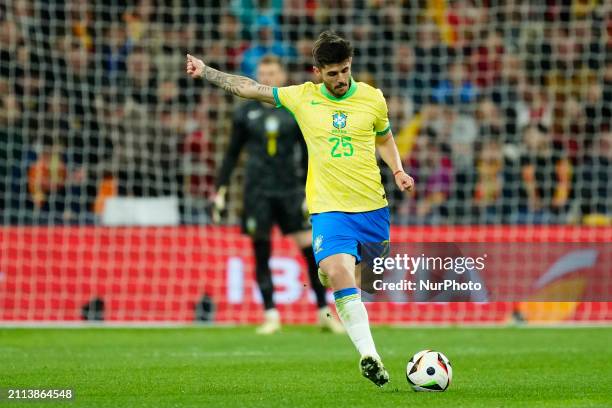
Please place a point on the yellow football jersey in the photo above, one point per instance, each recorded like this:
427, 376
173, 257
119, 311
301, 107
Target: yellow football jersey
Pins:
340, 134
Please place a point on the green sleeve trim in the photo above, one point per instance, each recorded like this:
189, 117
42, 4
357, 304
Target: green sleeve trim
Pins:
276, 98
384, 132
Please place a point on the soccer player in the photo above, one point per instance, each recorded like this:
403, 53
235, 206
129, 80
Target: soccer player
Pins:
343, 122
273, 190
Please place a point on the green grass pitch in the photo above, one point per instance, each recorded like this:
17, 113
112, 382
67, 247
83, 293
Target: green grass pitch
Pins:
216, 367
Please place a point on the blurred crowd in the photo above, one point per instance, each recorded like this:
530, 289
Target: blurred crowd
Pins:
501, 109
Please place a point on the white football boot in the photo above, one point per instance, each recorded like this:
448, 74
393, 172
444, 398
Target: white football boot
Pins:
271, 322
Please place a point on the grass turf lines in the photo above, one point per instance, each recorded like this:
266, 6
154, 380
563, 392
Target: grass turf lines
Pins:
196, 367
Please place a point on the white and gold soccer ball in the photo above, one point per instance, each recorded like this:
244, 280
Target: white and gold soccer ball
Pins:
429, 370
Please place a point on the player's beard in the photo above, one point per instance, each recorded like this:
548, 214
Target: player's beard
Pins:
342, 87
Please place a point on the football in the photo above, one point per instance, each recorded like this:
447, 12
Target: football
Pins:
429, 370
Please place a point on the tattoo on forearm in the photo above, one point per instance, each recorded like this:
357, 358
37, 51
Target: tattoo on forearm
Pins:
235, 84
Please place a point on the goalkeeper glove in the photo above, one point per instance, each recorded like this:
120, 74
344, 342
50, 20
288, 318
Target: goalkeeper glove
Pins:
219, 203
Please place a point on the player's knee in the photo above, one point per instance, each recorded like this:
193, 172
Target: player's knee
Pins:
337, 272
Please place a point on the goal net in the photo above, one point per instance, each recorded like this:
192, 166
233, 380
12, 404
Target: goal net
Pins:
501, 111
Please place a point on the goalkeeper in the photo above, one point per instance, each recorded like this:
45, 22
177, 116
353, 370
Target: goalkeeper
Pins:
343, 122
273, 190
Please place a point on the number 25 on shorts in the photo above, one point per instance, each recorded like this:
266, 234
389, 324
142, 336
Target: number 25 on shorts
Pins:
342, 146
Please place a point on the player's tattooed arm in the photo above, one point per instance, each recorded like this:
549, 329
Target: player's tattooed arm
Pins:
235, 84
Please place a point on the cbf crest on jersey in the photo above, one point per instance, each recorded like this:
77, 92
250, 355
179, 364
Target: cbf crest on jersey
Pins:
339, 120
318, 242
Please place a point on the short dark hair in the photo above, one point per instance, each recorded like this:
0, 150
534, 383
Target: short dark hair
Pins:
330, 48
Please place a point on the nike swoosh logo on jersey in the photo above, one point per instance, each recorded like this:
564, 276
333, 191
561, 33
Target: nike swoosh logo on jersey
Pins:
315, 103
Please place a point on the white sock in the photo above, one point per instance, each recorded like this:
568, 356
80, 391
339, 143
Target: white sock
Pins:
354, 317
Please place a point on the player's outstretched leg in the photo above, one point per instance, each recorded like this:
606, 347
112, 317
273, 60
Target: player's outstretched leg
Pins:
354, 316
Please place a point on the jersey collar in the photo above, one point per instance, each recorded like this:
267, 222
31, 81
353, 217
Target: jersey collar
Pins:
347, 95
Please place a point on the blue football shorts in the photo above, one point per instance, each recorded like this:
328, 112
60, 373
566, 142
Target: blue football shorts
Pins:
338, 232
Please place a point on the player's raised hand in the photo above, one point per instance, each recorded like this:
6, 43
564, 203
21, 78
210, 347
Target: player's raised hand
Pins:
404, 181
195, 67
